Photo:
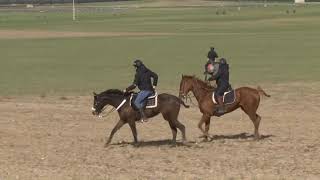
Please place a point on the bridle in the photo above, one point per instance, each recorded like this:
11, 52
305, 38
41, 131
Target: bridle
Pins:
111, 110
186, 96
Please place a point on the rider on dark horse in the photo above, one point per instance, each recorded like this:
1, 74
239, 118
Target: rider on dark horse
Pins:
211, 66
222, 81
142, 79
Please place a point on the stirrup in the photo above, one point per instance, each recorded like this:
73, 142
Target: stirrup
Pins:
143, 120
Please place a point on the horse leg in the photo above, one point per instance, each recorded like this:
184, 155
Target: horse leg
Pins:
201, 123
256, 127
174, 131
182, 128
255, 118
114, 130
133, 128
207, 127
204, 119
173, 125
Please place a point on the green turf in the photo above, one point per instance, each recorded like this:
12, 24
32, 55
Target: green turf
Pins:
263, 45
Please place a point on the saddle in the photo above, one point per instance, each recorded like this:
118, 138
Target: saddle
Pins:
150, 102
229, 97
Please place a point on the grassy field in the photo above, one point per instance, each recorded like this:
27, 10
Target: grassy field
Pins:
262, 45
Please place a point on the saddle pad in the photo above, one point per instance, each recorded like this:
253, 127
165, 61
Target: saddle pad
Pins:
228, 97
152, 101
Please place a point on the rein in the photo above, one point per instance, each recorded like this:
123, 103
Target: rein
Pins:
113, 108
190, 98
108, 113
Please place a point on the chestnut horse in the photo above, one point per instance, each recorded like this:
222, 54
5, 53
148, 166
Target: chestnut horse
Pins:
247, 99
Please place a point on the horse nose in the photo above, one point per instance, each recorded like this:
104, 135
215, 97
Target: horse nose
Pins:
93, 110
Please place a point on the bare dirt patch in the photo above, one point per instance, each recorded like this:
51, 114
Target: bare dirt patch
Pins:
58, 138
34, 34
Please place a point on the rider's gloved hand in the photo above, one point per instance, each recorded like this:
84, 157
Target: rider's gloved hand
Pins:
154, 87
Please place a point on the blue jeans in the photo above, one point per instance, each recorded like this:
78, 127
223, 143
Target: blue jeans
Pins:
142, 96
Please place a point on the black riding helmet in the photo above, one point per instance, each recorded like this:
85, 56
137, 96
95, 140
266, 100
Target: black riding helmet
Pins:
137, 63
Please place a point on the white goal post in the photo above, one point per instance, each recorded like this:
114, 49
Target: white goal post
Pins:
73, 11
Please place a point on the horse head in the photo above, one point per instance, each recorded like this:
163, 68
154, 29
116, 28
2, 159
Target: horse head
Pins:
106, 98
186, 85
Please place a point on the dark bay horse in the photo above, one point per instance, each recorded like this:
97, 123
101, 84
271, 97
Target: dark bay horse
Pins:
168, 106
247, 99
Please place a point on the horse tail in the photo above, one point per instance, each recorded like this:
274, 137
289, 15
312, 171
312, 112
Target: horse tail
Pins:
262, 92
182, 102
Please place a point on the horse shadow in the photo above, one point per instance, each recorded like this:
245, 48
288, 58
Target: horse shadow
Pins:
168, 142
238, 136
164, 142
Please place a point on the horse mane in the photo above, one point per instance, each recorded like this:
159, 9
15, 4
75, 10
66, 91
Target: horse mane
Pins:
112, 92
206, 85
201, 82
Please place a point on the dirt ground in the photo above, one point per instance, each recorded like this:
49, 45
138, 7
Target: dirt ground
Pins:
56, 137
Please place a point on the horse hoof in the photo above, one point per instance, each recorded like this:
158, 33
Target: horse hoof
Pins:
106, 145
203, 136
205, 140
173, 145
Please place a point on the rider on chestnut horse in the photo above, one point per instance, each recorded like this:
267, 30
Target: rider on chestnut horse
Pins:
222, 80
218, 71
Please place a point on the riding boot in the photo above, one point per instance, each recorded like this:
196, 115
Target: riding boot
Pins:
143, 115
221, 109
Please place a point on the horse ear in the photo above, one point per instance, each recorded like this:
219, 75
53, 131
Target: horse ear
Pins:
94, 93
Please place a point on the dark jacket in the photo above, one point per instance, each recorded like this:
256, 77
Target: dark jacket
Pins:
222, 77
142, 79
